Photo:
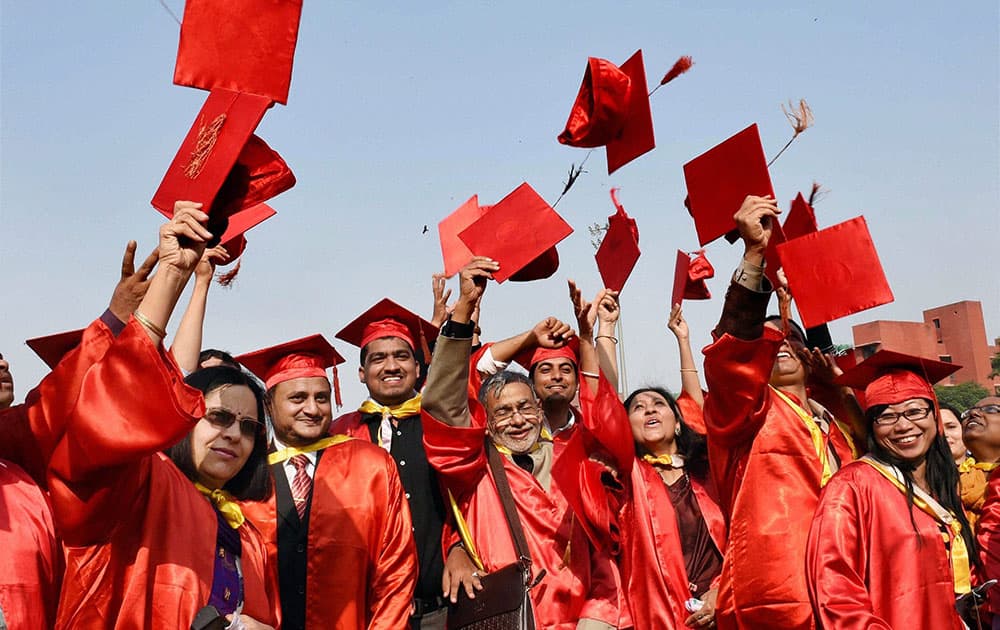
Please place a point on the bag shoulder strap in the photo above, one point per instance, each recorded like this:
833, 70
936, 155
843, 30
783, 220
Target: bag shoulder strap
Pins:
507, 499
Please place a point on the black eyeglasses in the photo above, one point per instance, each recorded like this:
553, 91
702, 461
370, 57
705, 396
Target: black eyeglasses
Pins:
913, 415
222, 419
985, 409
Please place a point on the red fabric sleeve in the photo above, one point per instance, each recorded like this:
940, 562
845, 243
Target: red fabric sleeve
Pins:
604, 596
29, 432
607, 420
737, 373
458, 454
132, 404
694, 415
837, 560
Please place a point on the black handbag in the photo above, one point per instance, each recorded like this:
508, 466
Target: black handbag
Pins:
503, 604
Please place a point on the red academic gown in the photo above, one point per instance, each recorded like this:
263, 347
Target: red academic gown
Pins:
768, 475
641, 516
586, 587
988, 539
31, 560
865, 565
361, 564
29, 432
140, 538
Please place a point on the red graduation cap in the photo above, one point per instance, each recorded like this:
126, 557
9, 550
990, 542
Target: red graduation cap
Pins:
241, 45
689, 277
612, 110
233, 239
888, 377
303, 358
619, 251
529, 358
388, 319
801, 219
455, 253
721, 178
520, 233
220, 163
52, 348
834, 272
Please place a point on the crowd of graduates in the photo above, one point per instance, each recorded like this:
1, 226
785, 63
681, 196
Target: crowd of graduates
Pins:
147, 486
149, 482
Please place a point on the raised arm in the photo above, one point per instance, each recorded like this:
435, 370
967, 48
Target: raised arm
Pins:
187, 342
586, 317
738, 363
690, 384
132, 403
608, 311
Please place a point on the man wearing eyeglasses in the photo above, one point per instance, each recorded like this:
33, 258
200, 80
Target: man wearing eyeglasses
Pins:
338, 528
771, 447
573, 584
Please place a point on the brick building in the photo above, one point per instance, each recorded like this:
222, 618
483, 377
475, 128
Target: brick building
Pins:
955, 333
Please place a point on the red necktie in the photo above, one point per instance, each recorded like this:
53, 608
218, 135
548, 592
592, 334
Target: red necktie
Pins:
301, 484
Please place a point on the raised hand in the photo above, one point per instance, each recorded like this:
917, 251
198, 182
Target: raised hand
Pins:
441, 297
133, 284
677, 324
608, 311
584, 311
209, 259
753, 220
551, 333
472, 285
183, 238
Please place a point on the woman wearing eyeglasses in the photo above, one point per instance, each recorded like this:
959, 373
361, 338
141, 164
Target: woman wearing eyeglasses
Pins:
890, 545
147, 474
981, 433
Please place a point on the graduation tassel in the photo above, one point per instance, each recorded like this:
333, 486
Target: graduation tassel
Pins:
801, 119
680, 66
336, 389
226, 279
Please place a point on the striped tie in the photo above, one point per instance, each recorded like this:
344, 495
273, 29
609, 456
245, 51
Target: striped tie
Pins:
301, 484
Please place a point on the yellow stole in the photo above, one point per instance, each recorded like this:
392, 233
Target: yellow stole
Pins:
667, 461
410, 407
818, 439
223, 501
289, 452
927, 503
544, 436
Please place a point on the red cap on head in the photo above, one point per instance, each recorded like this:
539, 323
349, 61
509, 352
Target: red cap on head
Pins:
889, 377
388, 319
612, 109
303, 358
619, 250
245, 45
569, 351
52, 348
520, 233
801, 219
689, 277
455, 253
721, 178
220, 163
834, 272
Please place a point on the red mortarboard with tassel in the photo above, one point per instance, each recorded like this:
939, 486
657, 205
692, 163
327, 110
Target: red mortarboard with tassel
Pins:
689, 277
303, 358
619, 250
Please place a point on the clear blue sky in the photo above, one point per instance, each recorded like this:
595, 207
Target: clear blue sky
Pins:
397, 114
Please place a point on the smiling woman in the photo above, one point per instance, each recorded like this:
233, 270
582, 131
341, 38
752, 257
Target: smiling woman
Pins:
890, 545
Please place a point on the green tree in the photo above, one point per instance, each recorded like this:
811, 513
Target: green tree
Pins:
961, 396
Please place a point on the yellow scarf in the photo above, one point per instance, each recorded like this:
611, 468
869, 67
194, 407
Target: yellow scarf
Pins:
409, 408
289, 452
223, 501
818, 439
667, 461
986, 466
959, 552
465, 534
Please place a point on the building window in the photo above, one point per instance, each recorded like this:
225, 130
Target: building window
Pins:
945, 358
937, 328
